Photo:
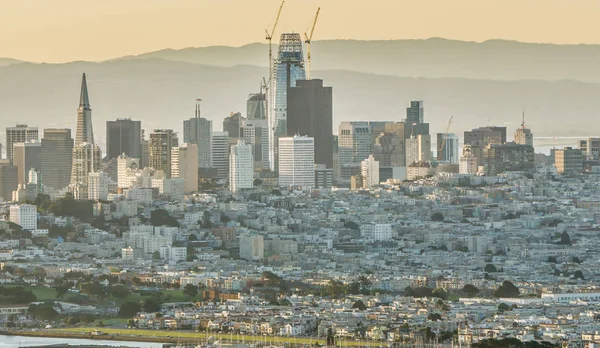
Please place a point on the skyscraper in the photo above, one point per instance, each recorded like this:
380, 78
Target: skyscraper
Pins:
310, 113
289, 68
297, 161
256, 107
568, 161
415, 113
19, 134
523, 135
479, 138
57, 158
98, 186
85, 132
184, 164
86, 154
123, 136
25, 157
162, 141
449, 151
590, 148
256, 133
370, 172
418, 149
233, 124
8, 181
220, 154
354, 145
198, 131
241, 167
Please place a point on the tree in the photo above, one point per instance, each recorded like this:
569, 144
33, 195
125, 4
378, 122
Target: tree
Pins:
552, 259
151, 305
578, 275
156, 255
206, 222
438, 217
507, 289
470, 290
119, 290
43, 312
360, 305
190, 291
503, 307
129, 309
489, 268
161, 217
576, 259
192, 238
434, 317
565, 239
440, 293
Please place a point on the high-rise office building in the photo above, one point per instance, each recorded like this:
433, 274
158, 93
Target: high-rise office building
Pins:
310, 113
57, 157
523, 135
590, 148
126, 164
354, 145
233, 124
297, 161
447, 144
85, 131
370, 172
507, 157
162, 141
25, 157
220, 154
8, 180
86, 159
256, 133
568, 161
241, 167
19, 134
198, 131
184, 164
123, 136
256, 107
289, 68
479, 138
415, 113
418, 149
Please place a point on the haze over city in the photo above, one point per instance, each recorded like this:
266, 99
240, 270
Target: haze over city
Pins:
299, 174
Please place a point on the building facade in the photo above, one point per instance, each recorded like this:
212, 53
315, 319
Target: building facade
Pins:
370, 172
19, 134
568, 161
24, 215
297, 161
184, 164
354, 145
123, 136
198, 131
233, 124
447, 144
57, 158
25, 157
162, 141
310, 113
241, 167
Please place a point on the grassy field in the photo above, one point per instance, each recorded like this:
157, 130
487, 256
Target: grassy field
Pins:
203, 336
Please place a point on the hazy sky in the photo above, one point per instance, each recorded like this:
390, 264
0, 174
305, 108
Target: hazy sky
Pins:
66, 30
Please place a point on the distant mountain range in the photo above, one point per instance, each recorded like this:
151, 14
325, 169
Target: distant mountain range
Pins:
476, 83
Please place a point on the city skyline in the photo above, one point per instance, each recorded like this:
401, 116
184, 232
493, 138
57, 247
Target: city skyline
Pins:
133, 28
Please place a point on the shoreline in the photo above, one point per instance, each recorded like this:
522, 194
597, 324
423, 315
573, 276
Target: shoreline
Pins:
90, 336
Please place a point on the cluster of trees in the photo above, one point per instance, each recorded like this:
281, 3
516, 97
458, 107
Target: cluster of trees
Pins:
16, 295
161, 217
130, 308
337, 289
44, 311
426, 292
507, 289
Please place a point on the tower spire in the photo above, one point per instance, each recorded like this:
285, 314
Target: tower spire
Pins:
523, 122
197, 114
84, 100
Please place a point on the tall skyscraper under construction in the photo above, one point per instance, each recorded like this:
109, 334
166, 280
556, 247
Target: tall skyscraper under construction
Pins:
289, 68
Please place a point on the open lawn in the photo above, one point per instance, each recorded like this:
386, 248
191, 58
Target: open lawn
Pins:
203, 336
42, 293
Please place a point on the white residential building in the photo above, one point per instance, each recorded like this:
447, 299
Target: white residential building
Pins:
127, 253
24, 215
98, 183
172, 187
252, 248
370, 172
241, 167
184, 165
174, 254
124, 163
467, 163
375, 231
297, 161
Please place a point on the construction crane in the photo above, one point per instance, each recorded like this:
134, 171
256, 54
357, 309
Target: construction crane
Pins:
269, 38
441, 146
308, 39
